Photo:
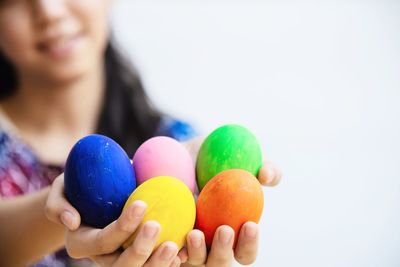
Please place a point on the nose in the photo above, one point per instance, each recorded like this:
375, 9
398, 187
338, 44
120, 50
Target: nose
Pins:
49, 11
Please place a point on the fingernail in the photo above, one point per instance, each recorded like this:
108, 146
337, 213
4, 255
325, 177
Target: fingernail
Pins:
167, 253
224, 236
67, 218
195, 241
250, 231
271, 175
138, 211
150, 231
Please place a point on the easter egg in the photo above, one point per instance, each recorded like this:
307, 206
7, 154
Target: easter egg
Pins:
98, 179
228, 147
164, 156
232, 198
170, 203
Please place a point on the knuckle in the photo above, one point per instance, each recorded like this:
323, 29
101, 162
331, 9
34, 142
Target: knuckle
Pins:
196, 261
140, 253
102, 247
197, 258
105, 243
122, 225
50, 210
221, 259
73, 253
176, 262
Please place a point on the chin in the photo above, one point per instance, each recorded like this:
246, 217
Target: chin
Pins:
67, 72
65, 78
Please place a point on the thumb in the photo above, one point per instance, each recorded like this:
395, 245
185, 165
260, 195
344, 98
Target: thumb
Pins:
58, 209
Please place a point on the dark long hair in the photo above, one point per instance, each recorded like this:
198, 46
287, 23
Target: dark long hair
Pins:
127, 115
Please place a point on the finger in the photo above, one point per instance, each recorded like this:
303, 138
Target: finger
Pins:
176, 262
221, 253
193, 146
247, 246
269, 175
183, 255
164, 255
58, 209
106, 260
137, 254
196, 248
87, 241
279, 176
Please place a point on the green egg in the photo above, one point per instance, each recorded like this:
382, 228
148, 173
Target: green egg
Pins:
228, 147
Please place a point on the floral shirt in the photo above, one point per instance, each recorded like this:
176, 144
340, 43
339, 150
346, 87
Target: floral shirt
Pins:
21, 173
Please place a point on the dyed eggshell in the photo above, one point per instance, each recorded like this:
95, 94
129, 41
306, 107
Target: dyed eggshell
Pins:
228, 147
98, 179
170, 203
164, 156
232, 198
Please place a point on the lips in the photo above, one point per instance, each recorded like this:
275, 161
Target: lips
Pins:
60, 46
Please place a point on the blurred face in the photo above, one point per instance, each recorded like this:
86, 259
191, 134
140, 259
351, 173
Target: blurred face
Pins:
55, 40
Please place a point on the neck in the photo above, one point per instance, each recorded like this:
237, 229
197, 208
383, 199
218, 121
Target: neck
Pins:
73, 106
52, 117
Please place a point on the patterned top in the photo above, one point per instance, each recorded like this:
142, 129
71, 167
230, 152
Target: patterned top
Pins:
21, 173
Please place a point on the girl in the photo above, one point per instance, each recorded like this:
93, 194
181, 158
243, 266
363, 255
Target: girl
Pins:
61, 78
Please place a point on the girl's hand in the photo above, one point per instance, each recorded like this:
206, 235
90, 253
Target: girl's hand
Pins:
269, 175
221, 253
102, 245
58, 209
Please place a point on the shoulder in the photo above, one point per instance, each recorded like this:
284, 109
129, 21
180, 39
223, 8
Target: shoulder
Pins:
176, 128
19, 167
11, 145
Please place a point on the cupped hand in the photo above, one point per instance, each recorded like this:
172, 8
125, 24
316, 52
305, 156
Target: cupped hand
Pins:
221, 252
103, 245
268, 175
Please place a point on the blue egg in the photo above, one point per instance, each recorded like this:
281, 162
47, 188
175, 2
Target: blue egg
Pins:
99, 178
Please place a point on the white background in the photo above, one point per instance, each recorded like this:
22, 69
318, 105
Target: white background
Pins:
318, 83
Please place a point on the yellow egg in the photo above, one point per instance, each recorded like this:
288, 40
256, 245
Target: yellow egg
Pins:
170, 203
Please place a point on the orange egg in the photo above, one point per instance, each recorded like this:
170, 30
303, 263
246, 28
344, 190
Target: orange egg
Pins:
232, 198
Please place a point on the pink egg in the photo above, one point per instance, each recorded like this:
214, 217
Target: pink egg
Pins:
164, 156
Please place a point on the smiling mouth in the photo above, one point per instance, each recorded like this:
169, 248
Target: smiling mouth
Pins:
61, 47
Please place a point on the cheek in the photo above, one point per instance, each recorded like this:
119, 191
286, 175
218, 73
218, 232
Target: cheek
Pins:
93, 15
16, 40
